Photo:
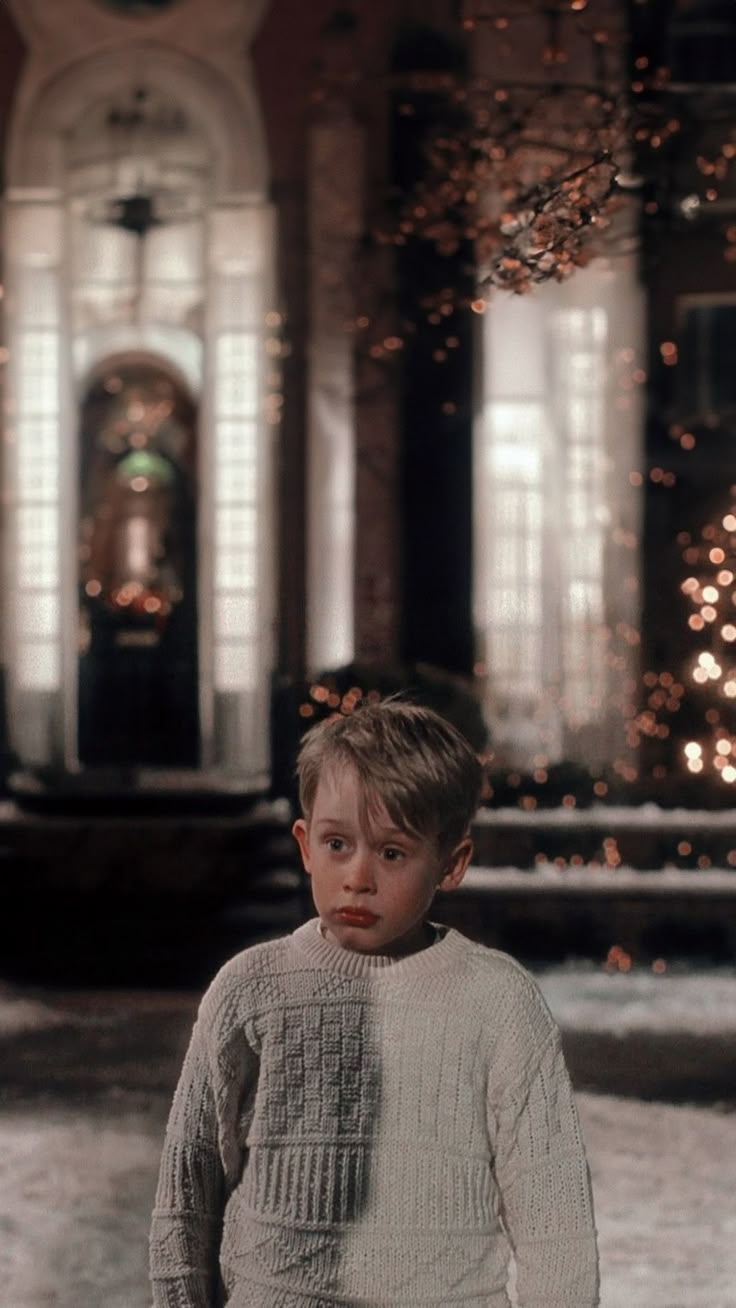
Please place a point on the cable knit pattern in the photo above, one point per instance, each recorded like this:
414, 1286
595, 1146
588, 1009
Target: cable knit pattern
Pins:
354, 1130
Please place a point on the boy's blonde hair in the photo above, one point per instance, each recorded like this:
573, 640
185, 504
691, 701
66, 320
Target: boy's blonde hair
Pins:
407, 758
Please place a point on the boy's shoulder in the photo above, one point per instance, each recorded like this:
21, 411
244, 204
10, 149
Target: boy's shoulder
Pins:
264, 955
502, 989
509, 1011
495, 966
251, 975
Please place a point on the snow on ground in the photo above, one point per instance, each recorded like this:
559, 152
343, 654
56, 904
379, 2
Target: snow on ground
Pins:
19, 1014
664, 1194
76, 1189
77, 1173
673, 1002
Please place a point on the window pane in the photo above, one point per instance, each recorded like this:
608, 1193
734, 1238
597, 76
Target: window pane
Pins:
707, 349
38, 373
235, 617
38, 666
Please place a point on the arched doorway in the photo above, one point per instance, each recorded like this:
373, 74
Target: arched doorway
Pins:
137, 570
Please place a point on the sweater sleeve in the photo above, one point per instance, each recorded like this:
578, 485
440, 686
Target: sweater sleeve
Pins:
201, 1160
544, 1182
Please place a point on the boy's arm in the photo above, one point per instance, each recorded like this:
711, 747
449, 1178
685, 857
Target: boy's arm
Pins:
544, 1184
200, 1162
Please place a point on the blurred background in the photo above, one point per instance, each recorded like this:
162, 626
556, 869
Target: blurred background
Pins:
355, 348
347, 349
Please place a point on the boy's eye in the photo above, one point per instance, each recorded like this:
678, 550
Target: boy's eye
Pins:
392, 854
335, 843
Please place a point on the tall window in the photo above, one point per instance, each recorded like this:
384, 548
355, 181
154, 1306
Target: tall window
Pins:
579, 345
35, 473
240, 540
38, 468
551, 456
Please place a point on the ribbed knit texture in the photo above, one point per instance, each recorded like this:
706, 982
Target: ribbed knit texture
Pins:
354, 1130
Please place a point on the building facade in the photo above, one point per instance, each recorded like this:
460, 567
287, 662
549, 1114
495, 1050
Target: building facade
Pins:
237, 455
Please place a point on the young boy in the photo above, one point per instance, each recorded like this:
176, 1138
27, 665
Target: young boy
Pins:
374, 1110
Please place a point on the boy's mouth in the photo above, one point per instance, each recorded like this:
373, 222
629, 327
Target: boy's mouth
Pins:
356, 916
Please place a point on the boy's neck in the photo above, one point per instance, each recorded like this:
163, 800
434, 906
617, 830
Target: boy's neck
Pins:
430, 935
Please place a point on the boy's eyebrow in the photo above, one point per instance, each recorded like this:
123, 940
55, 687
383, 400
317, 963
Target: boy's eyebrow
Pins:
383, 831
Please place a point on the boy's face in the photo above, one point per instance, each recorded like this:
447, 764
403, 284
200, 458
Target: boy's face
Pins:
372, 883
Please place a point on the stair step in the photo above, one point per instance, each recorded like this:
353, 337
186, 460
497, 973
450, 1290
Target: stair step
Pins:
548, 913
552, 879
645, 837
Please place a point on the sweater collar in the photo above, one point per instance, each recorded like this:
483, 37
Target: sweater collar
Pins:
445, 951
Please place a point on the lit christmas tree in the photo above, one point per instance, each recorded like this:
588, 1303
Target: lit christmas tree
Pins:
710, 591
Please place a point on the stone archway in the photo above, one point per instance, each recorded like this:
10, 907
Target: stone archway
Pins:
82, 289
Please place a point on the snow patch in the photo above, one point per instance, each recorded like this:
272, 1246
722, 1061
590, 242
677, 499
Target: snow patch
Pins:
698, 1003
21, 1015
663, 1188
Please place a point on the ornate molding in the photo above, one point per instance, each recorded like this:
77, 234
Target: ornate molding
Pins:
60, 33
219, 91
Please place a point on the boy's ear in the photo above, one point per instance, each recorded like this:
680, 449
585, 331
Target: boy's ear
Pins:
457, 865
301, 835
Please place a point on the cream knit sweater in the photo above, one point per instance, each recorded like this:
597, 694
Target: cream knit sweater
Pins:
354, 1130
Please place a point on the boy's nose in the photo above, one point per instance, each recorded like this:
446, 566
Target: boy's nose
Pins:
359, 874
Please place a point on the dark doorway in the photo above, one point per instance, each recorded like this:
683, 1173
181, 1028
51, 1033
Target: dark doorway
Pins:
138, 671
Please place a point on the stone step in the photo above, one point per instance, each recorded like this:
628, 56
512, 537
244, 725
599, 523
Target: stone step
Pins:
642, 837
620, 916
184, 855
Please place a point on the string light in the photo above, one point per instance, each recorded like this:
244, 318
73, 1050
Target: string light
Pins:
533, 163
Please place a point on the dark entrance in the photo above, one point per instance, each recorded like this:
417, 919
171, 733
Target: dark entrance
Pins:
138, 579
